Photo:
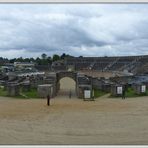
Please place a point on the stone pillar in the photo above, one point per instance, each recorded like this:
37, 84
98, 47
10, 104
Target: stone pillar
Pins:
44, 90
13, 89
116, 90
33, 82
80, 93
26, 87
139, 88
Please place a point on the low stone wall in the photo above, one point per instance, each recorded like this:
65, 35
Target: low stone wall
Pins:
44, 90
139, 88
116, 90
13, 89
26, 87
81, 89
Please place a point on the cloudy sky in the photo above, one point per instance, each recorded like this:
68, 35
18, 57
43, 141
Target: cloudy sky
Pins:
28, 30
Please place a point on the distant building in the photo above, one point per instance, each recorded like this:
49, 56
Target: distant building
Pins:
58, 65
23, 64
6, 69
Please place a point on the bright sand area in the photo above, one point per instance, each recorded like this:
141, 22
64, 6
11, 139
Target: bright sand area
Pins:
74, 121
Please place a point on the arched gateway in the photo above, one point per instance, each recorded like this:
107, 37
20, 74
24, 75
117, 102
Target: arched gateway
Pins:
82, 81
66, 90
69, 74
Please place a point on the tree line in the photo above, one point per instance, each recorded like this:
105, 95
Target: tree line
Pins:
44, 59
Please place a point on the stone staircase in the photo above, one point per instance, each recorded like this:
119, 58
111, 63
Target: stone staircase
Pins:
111, 64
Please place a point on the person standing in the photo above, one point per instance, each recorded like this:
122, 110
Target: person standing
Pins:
69, 94
123, 92
48, 100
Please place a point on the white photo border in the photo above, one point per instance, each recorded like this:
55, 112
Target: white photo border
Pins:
73, 2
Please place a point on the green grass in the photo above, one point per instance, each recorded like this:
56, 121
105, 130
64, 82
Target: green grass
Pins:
26, 95
98, 93
3, 92
31, 94
131, 93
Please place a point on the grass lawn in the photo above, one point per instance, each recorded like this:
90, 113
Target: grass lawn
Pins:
98, 93
3, 92
131, 93
30, 94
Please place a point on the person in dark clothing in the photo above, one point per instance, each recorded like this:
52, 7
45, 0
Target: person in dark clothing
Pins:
123, 92
48, 100
70, 94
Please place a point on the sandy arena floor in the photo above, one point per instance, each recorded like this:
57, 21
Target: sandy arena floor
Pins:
74, 121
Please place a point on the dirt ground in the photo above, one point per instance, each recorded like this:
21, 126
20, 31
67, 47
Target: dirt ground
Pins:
74, 121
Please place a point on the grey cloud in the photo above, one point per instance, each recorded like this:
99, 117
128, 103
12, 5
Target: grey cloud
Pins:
91, 29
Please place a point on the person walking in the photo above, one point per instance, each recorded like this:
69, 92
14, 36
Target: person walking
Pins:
48, 100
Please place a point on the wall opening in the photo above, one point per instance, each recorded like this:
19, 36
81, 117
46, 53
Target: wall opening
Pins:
67, 87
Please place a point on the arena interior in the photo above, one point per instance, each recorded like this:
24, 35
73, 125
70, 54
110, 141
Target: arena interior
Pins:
105, 121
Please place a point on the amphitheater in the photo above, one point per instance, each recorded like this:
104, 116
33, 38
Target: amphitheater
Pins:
106, 64
74, 121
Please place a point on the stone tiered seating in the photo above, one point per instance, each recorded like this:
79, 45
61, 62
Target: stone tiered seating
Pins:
83, 80
59, 68
108, 63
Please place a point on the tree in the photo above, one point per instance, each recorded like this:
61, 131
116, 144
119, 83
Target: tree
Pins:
49, 60
20, 59
12, 60
38, 61
63, 56
44, 56
32, 60
26, 60
55, 57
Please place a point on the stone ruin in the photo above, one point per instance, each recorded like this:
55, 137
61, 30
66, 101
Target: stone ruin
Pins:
116, 90
85, 92
83, 83
26, 87
101, 84
44, 90
139, 88
13, 89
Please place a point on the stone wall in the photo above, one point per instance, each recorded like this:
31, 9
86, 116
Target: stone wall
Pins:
115, 91
80, 90
13, 89
138, 88
44, 90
